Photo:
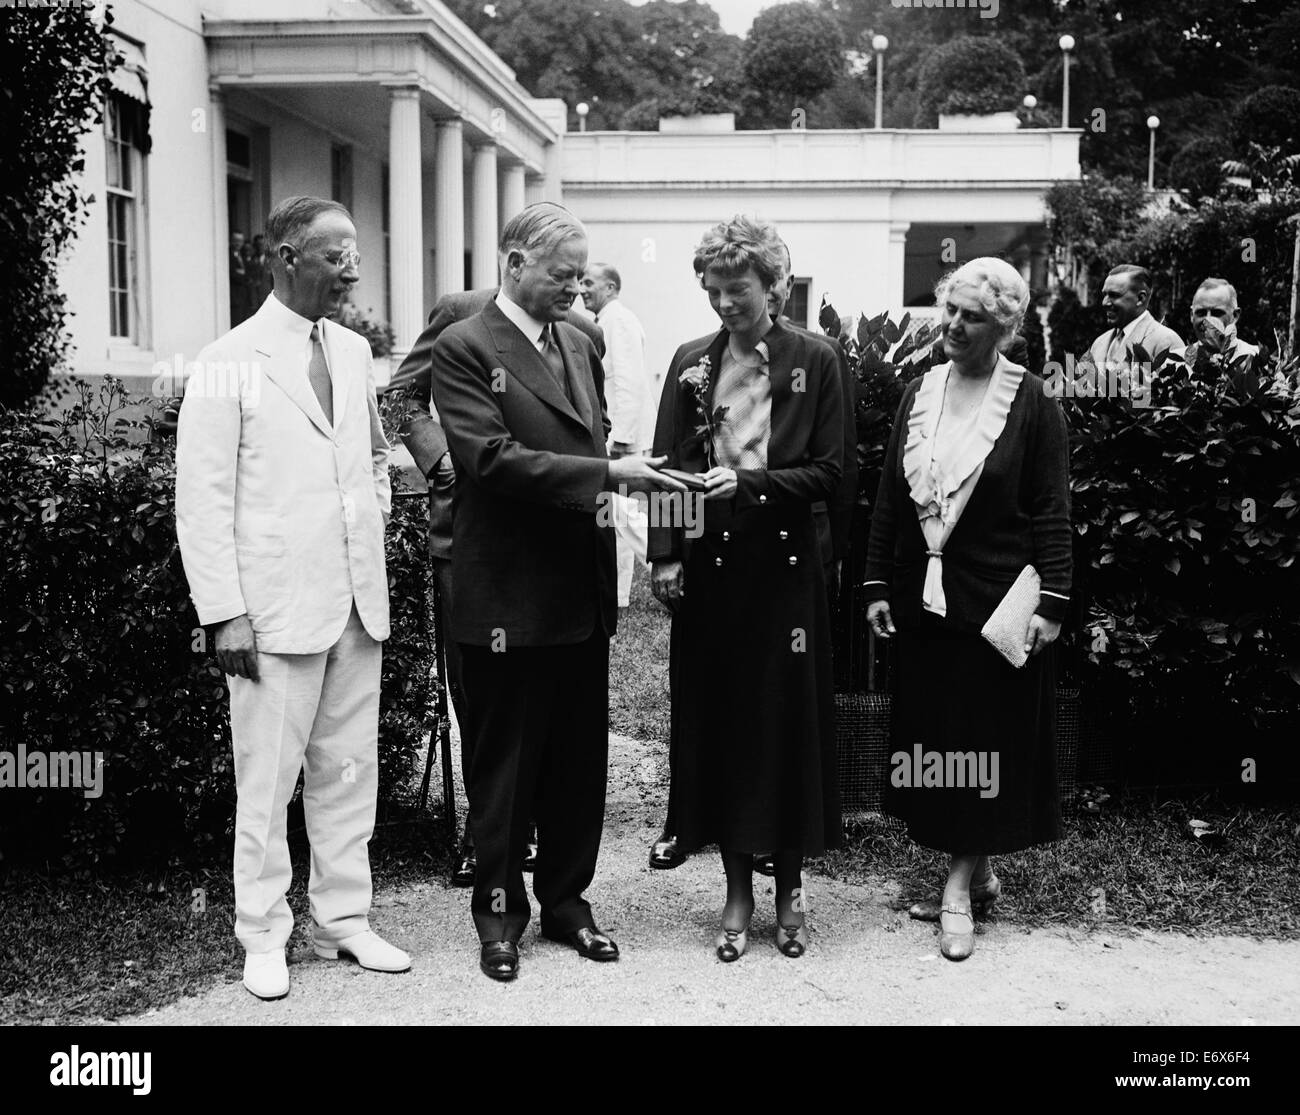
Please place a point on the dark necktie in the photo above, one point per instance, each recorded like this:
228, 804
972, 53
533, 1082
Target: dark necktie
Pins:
554, 361
318, 373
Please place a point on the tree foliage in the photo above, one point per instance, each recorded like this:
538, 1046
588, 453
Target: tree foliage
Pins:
54, 66
972, 74
793, 53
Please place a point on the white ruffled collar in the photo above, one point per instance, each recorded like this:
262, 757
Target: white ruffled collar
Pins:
936, 485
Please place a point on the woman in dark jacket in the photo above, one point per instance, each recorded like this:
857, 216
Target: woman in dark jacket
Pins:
974, 489
757, 411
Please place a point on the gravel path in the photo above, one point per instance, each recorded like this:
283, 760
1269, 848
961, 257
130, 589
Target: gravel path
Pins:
866, 963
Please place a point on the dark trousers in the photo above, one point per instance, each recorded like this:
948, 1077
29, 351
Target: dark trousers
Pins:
455, 680
540, 721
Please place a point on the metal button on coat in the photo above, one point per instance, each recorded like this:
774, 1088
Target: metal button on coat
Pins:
784, 535
726, 536
717, 561
794, 560
762, 499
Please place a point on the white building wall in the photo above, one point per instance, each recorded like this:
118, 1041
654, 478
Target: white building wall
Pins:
177, 244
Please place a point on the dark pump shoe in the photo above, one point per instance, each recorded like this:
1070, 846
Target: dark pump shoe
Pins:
530, 856
499, 960
764, 866
463, 876
589, 943
665, 855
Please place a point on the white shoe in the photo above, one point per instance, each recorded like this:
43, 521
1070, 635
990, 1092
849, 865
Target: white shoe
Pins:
266, 975
368, 949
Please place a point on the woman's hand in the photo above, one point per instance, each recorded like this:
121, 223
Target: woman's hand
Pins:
1042, 633
719, 482
879, 619
668, 583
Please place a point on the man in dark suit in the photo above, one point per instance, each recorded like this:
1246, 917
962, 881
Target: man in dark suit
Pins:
834, 520
423, 436
520, 395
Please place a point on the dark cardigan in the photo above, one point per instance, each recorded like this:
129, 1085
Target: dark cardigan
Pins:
1018, 515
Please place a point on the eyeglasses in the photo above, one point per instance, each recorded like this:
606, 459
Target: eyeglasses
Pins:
348, 257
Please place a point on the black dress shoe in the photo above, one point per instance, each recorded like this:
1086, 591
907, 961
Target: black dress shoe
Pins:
764, 866
499, 960
530, 856
463, 876
589, 943
665, 855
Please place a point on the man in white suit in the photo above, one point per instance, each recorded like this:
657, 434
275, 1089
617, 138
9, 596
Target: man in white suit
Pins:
282, 497
631, 402
1125, 296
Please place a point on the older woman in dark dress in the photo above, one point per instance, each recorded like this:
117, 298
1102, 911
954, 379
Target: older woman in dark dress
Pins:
974, 488
753, 711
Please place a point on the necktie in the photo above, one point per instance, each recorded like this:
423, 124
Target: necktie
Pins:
318, 373
1115, 351
554, 361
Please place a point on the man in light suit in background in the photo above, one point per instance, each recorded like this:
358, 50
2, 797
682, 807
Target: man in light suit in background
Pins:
282, 497
423, 436
632, 407
1125, 297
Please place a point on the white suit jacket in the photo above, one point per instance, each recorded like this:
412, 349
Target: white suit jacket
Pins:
278, 513
632, 410
1143, 330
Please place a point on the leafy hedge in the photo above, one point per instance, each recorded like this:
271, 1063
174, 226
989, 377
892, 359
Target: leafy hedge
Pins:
54, 66
102, 650
1187, 596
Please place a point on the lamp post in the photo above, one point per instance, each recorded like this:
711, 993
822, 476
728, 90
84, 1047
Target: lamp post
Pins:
1153, 122
1066, 44
582, 109
880, 44
1030, 103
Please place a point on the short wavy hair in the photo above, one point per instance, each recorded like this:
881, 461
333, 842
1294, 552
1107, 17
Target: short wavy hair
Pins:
1000, 288
291, 218
538, 230
734, 246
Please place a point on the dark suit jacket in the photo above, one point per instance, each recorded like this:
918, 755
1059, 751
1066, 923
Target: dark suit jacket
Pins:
834, 517
422, 433
805, 446
530, 559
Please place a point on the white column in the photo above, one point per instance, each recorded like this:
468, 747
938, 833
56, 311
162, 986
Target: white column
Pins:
483, 246
406, 234
220, 216
897, 263
532, 190
513, 194
449, 211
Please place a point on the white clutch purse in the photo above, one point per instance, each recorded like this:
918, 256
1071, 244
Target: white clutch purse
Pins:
1005, 630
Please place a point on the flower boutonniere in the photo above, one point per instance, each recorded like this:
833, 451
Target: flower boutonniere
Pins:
695, 380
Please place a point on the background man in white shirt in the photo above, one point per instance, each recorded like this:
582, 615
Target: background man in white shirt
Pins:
631, 401
1125, 296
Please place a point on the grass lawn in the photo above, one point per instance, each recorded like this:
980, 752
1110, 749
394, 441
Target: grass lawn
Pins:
1136, 864
638, 667
78, 950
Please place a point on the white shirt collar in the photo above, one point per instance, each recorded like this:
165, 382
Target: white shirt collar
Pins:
289, 320
528, 325
1127, 331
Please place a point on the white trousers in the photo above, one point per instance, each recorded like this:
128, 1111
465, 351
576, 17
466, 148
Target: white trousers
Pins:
631, 529
316, 713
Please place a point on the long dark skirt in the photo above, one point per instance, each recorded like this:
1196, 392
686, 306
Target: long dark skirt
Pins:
956, 696
753, 723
